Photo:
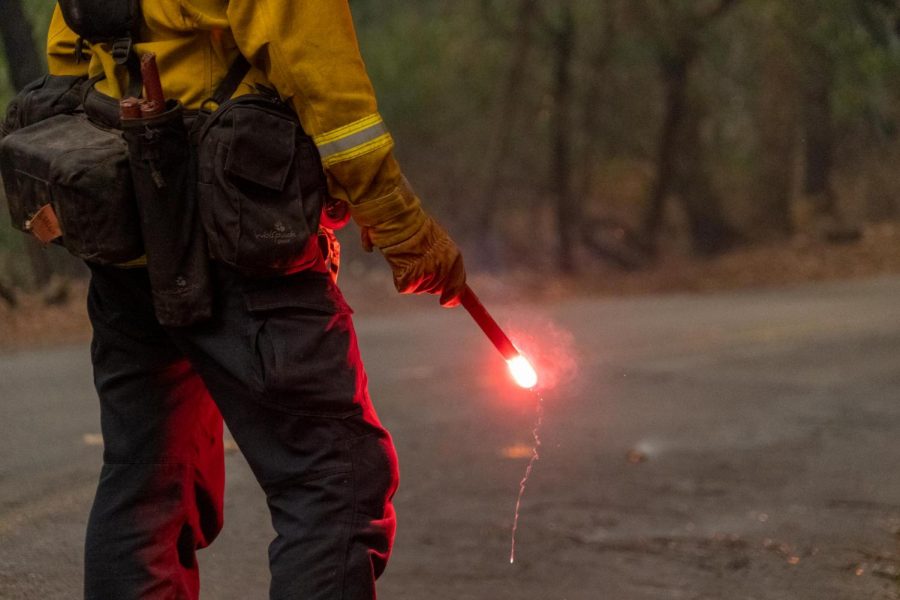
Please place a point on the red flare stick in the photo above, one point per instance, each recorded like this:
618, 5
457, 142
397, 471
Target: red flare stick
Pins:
150, 108
154, 100
488, 325
130, 108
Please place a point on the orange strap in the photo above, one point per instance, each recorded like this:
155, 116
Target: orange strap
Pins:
44, 225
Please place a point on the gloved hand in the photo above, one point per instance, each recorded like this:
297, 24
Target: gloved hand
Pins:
421, 255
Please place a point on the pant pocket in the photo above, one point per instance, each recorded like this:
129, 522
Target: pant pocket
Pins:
305, 346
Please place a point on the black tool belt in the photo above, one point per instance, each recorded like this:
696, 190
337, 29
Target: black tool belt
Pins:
242, 184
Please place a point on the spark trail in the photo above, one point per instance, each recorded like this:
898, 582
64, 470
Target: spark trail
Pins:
535, 455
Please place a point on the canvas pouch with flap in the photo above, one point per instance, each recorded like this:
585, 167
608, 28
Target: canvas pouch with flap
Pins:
67, 179
260, 186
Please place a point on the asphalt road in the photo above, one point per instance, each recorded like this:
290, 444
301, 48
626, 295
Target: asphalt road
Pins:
734, 446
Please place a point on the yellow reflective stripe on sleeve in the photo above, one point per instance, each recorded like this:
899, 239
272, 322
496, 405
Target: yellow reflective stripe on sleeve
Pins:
353, 140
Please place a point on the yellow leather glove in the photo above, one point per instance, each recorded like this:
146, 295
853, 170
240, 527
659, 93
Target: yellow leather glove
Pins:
422, 257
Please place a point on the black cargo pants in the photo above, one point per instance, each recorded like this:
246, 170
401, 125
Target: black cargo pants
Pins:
279, 362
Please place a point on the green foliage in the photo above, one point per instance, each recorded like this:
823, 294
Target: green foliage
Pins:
442, 70
856, 40
38, 13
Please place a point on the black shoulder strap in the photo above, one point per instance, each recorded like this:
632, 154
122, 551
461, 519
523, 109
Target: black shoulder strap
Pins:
233, 78
225, 90
123, 53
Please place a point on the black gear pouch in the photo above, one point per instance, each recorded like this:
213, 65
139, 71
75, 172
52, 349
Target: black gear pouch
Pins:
59, 166
81, 171
261, 186
163, 170
41, 99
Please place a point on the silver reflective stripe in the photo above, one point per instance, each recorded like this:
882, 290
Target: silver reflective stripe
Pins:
353, 141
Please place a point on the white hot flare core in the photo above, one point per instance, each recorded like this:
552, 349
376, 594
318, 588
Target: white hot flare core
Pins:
522, 371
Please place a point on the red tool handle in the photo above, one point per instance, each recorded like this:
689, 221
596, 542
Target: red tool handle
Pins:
487, 323
129, 108
154, 101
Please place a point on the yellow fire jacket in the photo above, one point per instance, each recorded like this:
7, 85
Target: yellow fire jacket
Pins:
306, 50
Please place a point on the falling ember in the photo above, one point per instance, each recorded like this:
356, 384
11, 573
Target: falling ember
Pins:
522, 371
535, 455
524, 375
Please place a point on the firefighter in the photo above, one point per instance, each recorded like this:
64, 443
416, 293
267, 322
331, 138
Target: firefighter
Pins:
278, 359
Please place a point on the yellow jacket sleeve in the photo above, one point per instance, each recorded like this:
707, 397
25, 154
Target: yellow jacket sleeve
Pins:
309, 51
61, 49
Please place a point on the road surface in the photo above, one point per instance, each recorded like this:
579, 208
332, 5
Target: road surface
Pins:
733, 446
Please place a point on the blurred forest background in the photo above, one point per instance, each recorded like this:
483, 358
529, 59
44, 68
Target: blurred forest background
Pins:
580, 137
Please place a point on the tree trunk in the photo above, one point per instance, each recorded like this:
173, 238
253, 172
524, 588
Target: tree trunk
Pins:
503, 134
819, 134
591, 102
23, 60
883, 186
776, 117
675, 74
567, 205
675, 169
710, 231
24, 65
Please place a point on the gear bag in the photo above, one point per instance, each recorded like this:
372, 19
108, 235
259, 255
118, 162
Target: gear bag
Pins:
67, 180
242, 184
41, 99
261, 186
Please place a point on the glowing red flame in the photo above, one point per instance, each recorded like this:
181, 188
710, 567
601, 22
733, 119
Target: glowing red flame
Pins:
522, 371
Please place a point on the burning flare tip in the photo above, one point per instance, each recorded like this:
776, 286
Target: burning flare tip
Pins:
522, 372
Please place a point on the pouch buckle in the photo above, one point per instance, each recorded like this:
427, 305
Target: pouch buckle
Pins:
121, 50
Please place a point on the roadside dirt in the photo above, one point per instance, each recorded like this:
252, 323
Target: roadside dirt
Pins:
34, 323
